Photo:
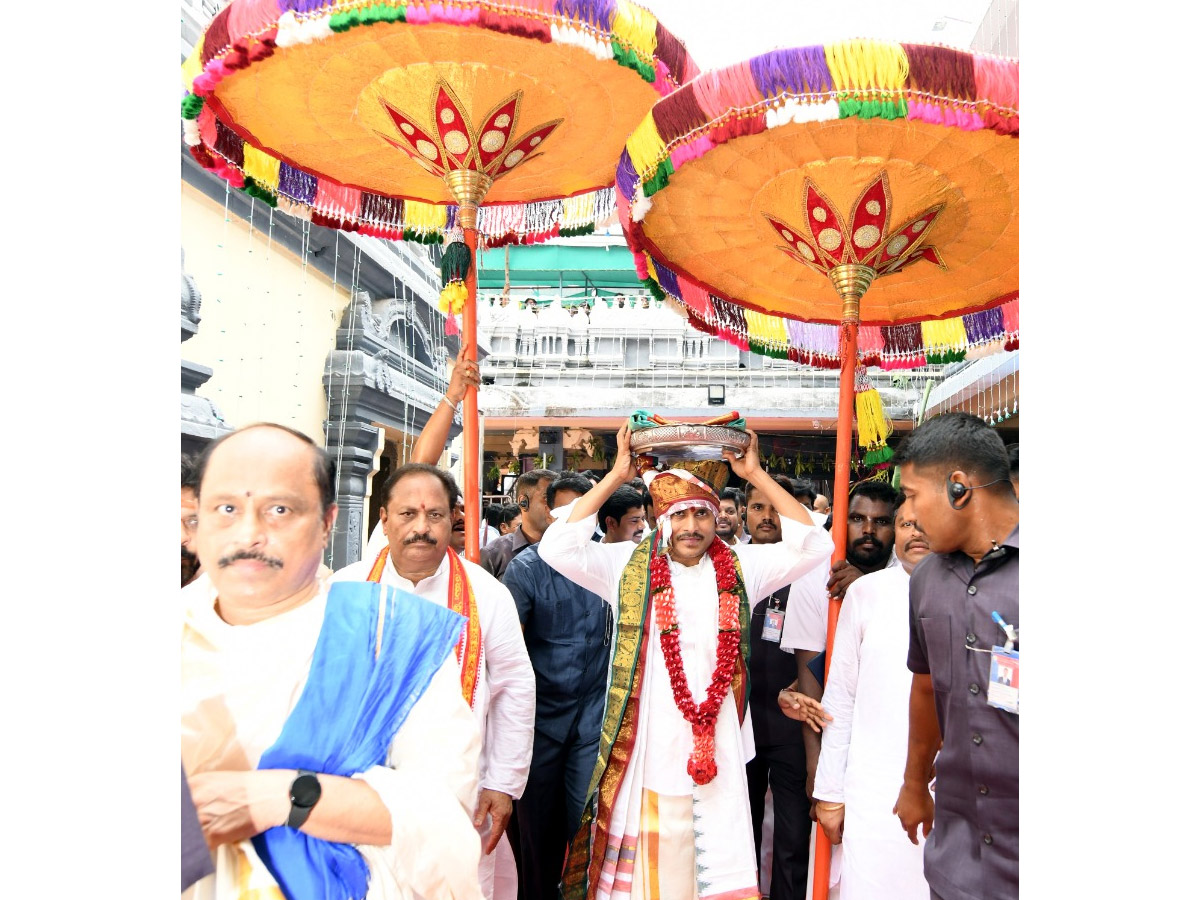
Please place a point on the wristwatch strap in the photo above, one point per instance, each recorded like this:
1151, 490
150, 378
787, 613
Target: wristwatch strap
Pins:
299, 814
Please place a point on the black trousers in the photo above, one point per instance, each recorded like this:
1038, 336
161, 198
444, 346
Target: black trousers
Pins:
550, 809
782, 767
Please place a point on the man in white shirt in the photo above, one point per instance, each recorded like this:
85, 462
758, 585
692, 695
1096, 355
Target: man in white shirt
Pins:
253, 669
670, 803
496, 675
870, 535
863, 749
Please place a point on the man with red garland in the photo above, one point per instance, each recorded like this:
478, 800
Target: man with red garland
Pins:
496, 675
668, 814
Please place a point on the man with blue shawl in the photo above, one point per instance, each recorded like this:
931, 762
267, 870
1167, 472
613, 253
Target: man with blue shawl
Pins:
326, 742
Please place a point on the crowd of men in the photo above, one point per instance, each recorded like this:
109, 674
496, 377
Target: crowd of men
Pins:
628, 696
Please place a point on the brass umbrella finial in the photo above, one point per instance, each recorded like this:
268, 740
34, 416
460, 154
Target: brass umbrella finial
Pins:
851, 281
853, 257
466, 156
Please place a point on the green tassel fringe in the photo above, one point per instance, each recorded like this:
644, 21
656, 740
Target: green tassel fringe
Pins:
367, 15
769, 349
456, 262
873, 108
589, 228
943, 357
654, 288
423, 237
191, 106
878, 456
662, 175
631, 60
253, 189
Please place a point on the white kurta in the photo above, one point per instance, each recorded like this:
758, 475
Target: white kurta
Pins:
239, 685
664, 738
863, 750
807, 621
504, 699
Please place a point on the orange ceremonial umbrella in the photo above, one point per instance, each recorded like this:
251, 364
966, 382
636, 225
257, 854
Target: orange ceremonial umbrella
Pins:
844, 205
398, 119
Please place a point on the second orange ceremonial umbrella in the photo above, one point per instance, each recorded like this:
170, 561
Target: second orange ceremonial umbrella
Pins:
399, 119
860, 183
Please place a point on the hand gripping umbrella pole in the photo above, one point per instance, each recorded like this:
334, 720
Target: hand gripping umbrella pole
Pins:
469, 187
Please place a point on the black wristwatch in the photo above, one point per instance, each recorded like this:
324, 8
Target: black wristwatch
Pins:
305, 792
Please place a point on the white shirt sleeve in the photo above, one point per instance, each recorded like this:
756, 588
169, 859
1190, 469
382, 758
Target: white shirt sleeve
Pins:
568, 548
807, 619
511, 706
768, 567
841, 689
428, 787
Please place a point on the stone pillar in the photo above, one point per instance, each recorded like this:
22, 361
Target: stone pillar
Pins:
353, 446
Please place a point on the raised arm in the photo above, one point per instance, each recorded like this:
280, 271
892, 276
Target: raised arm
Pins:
432, 442
622, 472
748, 468
769, 567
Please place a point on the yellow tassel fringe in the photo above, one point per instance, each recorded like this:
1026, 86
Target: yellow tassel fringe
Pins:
873, 425
862, 65
637, 27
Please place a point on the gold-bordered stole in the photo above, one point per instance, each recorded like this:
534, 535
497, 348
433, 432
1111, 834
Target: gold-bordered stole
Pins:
619, 726
741, 673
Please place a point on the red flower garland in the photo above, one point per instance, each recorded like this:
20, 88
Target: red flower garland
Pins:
702, 765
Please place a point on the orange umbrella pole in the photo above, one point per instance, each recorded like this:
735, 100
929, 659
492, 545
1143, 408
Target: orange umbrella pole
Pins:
851, 282
471, 492
469, 187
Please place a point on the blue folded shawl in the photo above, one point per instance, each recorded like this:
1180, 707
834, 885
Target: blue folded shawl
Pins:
347, 716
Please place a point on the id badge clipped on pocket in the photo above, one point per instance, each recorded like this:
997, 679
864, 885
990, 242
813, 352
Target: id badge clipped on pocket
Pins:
1004, 682
773, 625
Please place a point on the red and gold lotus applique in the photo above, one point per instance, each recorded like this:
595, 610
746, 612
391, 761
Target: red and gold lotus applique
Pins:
456, 144
867, 242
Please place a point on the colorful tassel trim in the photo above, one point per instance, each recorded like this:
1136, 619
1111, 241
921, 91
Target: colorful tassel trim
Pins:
247, 31
874, 428
866, 79
367, 15
452, 298
869, 77
456, 265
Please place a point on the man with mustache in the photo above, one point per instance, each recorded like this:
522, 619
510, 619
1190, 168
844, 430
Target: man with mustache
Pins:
870, 536
623, 516
458, 528
863, 748
729, 517
302, 768
495, 672
670, 815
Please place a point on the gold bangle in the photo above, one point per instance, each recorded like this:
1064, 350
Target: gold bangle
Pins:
830, 807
